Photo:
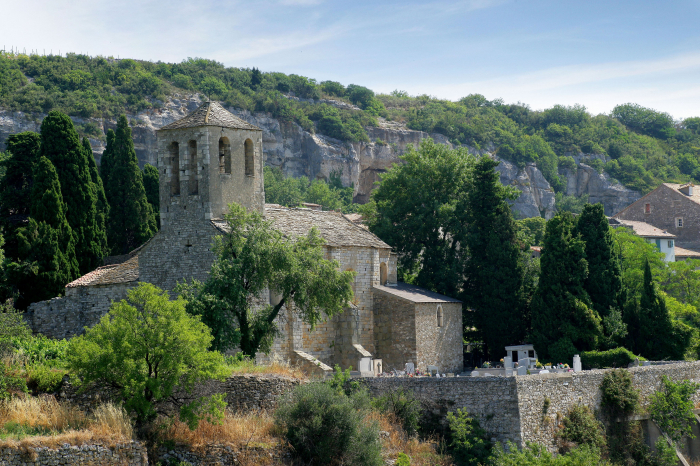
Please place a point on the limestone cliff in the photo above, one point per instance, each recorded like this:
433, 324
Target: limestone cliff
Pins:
300, 153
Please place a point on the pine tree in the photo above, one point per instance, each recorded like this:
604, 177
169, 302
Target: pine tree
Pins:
61, 145
151, 182
131, 220
493, 287
16, 186
102, 205
47, 240
563, 322
604, 281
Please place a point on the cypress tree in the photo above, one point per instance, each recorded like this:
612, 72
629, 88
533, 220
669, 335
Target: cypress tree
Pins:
107, 160
61, 145
131, 220
151, 182
102, 205
494, 272
47, 241
16, 186
563, 322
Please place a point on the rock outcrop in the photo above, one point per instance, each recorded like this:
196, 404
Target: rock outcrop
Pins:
299, 153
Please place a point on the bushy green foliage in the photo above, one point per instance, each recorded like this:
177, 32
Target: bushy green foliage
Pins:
291, 192
342, 381
146, 347
619, 397
403, 460
617, 357
469, 444
403, 405
325, 426
672, 408
582, 428
537, 455
571, 204
253, 257
11, 382
531, 230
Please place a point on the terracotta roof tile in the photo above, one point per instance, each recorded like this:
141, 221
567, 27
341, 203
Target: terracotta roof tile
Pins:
676, 187
110, 274
642, 229
686, 253
211, 114
415, 294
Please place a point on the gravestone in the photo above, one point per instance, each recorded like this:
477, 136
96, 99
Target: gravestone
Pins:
365, 366
410, 368
522, 370
377, 366
432, 370
577, 363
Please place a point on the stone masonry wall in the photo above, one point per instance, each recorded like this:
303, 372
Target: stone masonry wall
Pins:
81, 307
439, 346
122, 454
666, 206
395, 335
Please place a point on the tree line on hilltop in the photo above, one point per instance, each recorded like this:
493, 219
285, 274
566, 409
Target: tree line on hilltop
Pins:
59, 217
642, 146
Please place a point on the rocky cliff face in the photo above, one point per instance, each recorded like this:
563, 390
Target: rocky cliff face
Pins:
300, 153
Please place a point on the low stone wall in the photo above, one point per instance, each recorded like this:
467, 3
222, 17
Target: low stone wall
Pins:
123, 454
513, 408
244, 392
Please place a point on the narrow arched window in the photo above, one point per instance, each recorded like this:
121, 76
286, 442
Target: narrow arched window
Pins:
249, 158
439, 316
175, 166
193, 172
383, 273
224, 155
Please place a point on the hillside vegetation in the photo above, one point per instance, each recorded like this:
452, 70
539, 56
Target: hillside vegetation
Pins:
643, 147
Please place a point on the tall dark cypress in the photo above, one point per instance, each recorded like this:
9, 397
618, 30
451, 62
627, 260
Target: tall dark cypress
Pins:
47, 240
494, 273
102, 205
107, 160
16, 186
131, 220
604, 281
61, 145
151, 182
563, 322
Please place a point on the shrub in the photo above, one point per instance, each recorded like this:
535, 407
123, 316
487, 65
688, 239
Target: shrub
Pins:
342, 382
619, 396
10, 382
324, 426
469, 444
403, 460
582, 428
536, 455
403, 405
672, 409
44, 379
617, 357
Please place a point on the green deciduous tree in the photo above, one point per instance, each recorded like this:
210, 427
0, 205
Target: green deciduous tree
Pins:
494, 273
131, 221
151, 183
672, 408
148, 348
563, 322
47, 241
16, 185
61, 145
418, 213
252, 258
102, 204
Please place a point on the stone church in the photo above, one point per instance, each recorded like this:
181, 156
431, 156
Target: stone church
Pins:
211, 158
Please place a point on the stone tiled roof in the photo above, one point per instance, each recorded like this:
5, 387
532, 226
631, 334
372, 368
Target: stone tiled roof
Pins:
125, 272
682, 253
642, 229
415, 294
676, 187
211, 114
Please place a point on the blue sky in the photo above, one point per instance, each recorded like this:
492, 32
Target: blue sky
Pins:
595, 53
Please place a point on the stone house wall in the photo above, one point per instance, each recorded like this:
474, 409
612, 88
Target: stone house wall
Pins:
439, 346
668, 204
395, 335
81, 307
122, 454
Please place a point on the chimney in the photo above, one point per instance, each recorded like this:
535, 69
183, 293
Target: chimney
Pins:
311, 206
687, 189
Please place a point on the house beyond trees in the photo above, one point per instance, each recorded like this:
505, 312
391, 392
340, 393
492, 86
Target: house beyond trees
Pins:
211, 158
673, 208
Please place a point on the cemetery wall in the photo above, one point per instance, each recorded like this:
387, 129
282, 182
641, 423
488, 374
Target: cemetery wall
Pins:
123, 454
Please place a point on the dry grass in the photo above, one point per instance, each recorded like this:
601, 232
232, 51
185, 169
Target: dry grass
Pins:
275, 367
237, 429
58, 422
421, 452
